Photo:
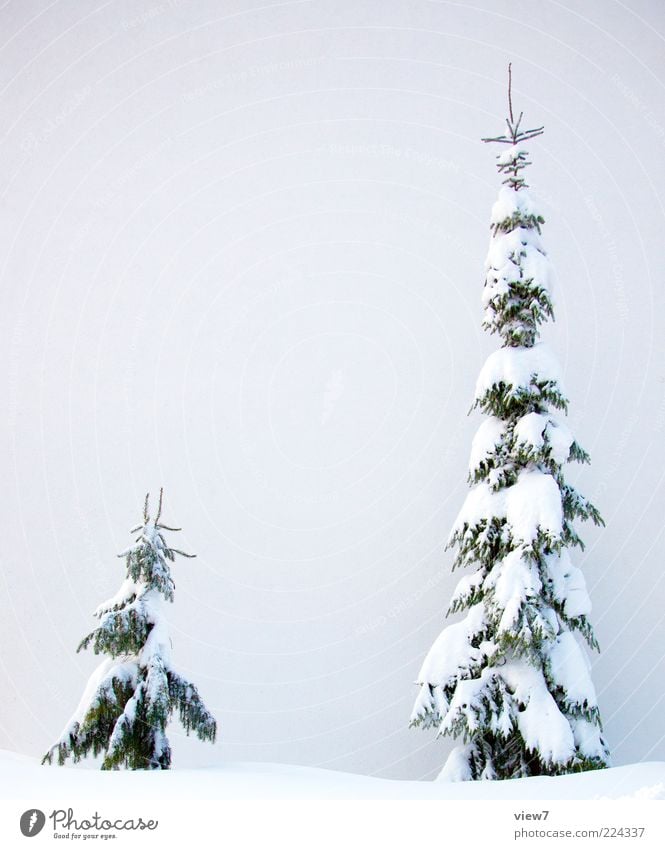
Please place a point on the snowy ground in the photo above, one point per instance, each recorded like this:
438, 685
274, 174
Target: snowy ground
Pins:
24, 777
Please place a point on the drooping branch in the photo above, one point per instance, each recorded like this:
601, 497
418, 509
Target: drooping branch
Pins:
182, 553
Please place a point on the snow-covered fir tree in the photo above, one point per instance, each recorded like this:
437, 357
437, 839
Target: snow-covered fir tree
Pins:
511, 680
132, 694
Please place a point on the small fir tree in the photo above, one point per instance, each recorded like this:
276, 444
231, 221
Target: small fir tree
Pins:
132, 694
511, 678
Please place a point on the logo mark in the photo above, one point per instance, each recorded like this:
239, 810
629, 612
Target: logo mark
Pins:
32, 822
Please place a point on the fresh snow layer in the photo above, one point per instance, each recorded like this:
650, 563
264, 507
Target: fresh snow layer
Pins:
128, 588
100, 680
516, 256
531, 504
22, 777
511, 202
511, 153
517, 367
452, 654
488, 437
534, 429
568, 584
514, 580
542, 725
570, 670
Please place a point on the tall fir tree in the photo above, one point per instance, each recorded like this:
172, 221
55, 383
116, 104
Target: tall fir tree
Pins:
511, 678
132, 694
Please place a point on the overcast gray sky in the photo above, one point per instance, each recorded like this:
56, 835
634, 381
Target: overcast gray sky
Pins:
241, 257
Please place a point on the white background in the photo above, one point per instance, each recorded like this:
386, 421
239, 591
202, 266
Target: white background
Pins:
241, 257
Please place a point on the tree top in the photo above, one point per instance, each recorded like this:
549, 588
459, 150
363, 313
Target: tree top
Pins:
514, 135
